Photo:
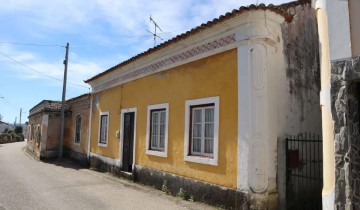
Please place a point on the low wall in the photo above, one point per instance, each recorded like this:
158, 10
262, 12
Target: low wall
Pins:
4, 138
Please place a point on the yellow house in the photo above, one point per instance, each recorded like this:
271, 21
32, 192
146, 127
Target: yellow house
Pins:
208, 110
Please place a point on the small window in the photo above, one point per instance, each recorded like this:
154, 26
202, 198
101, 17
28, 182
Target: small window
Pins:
157, 130
201, 130
78, 129
37, 135
103, 128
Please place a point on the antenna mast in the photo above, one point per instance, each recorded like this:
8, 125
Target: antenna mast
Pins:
155, 34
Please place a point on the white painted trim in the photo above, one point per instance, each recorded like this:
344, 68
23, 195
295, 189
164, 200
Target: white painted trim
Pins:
89, 129
325, 96
107, 129
153, 152
77, 143
320, 4
328, 201
105, 159
122, 112
243, 117
196, 159
259, 132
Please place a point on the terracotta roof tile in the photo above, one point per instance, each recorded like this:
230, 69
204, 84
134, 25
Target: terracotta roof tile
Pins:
278, 9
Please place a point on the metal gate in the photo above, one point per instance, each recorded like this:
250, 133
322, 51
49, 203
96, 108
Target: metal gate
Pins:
304, 172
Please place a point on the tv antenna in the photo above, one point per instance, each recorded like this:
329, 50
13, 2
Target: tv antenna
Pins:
156, 26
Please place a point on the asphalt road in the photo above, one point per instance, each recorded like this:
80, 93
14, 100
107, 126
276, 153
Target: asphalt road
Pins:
26, 183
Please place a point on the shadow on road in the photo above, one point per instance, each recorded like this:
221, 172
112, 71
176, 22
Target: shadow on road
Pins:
66, 163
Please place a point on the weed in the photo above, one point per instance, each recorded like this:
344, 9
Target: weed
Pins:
182, 194
164, 187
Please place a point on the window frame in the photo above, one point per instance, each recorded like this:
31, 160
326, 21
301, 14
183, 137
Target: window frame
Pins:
150, 110
76, 121
107, 129
189, 106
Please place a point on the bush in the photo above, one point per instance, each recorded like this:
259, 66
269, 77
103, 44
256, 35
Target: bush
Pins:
11, 133
19, 137
18, 129
5, 138
182, 194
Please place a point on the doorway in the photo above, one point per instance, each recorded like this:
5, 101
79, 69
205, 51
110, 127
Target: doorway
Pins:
128, 140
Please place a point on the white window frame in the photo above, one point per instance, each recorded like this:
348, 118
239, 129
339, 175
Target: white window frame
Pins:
187, 152
81, 122
107, 129
148, 150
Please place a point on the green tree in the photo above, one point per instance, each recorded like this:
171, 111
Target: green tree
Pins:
18, 129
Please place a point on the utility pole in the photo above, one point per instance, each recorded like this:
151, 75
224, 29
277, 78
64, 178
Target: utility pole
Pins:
20, 116
61, 143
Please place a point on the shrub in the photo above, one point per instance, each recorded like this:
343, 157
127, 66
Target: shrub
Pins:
18, 129
19, 137
12, 134
182, 194
5, 138
164, 187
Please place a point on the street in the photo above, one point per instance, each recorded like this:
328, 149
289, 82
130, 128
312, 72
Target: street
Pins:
26, 183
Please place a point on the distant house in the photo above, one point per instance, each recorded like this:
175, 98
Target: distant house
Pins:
209, 110
77, 128
44, 128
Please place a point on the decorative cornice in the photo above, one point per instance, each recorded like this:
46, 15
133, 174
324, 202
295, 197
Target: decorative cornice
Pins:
166, 62
255, 26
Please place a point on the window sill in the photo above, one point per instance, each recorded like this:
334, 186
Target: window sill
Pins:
156, 153
102, 145
202, 160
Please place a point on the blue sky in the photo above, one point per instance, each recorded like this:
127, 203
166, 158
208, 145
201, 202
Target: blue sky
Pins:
101, 33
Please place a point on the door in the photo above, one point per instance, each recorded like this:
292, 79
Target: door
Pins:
128, 141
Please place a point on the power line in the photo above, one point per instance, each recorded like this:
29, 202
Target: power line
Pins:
39, 72
31, 44
8, 103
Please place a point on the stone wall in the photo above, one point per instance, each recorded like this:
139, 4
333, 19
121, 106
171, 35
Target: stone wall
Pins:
345, 101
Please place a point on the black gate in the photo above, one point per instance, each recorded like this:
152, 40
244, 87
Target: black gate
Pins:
304, 172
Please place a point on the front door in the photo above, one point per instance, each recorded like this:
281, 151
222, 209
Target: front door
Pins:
128, 141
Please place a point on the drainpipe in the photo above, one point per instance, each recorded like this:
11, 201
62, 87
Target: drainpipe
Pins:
89, 129
328, 192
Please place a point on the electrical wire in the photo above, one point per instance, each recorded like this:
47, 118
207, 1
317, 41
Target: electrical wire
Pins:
39, 72
30, 44
8, 103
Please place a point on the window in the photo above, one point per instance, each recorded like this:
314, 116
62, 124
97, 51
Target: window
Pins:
201, 130
103, 129
37, 135
78, 129
157, 130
